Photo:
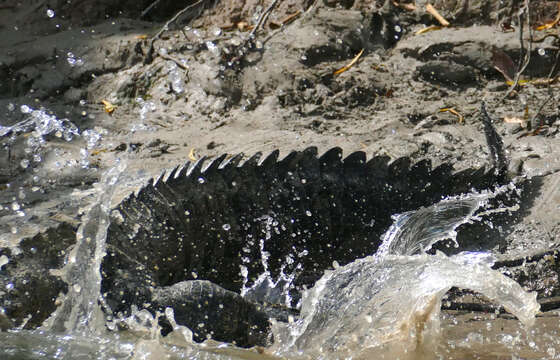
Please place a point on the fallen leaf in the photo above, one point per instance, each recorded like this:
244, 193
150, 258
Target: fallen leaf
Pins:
244, 26
503, 63
515, 120
141, 37
109, 108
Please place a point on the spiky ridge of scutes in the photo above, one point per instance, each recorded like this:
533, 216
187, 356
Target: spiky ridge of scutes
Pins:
204, 218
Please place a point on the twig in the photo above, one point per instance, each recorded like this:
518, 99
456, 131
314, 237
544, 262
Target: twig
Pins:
263, 18
522, 65
550, 92
176, 61
150, 54
495, 144
248, 43
149, 8
283, 23
432, 11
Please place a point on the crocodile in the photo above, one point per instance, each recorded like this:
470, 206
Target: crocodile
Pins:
215, 219
194, 237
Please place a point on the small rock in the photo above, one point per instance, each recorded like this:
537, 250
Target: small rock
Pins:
446, 73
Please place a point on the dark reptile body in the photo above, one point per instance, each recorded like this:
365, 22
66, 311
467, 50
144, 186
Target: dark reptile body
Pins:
172, 230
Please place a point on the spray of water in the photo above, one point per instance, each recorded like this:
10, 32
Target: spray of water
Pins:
390, 302
79, 311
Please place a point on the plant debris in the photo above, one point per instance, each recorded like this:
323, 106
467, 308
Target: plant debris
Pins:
432, 11
350, 64
288, 19
515, 120
108, 106
551, 24
428, 29
504, 64
191, 155
461, 118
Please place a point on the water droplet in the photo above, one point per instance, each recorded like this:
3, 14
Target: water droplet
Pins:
201, 180
226, 227
398, 28
13, 229
24, 163
77, 288
308, 213
213, 48
3, 260
71, 59
541, 52
194, 275
50, 13
9, 286
25, 109
15, 206
217, 32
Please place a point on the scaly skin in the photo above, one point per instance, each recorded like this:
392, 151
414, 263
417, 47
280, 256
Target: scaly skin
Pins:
201, 223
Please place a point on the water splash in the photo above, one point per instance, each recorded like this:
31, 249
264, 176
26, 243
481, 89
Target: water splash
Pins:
79, 312
43, 123
391, 301
415, 232
267, 289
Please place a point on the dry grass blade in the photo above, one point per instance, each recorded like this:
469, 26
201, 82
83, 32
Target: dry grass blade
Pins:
432, 11
428, 29
461, 118
551, 24
350, 64
288, 19
406, 6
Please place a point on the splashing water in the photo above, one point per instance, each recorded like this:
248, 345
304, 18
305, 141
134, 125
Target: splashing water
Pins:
382, 306
79, 312
390, 303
